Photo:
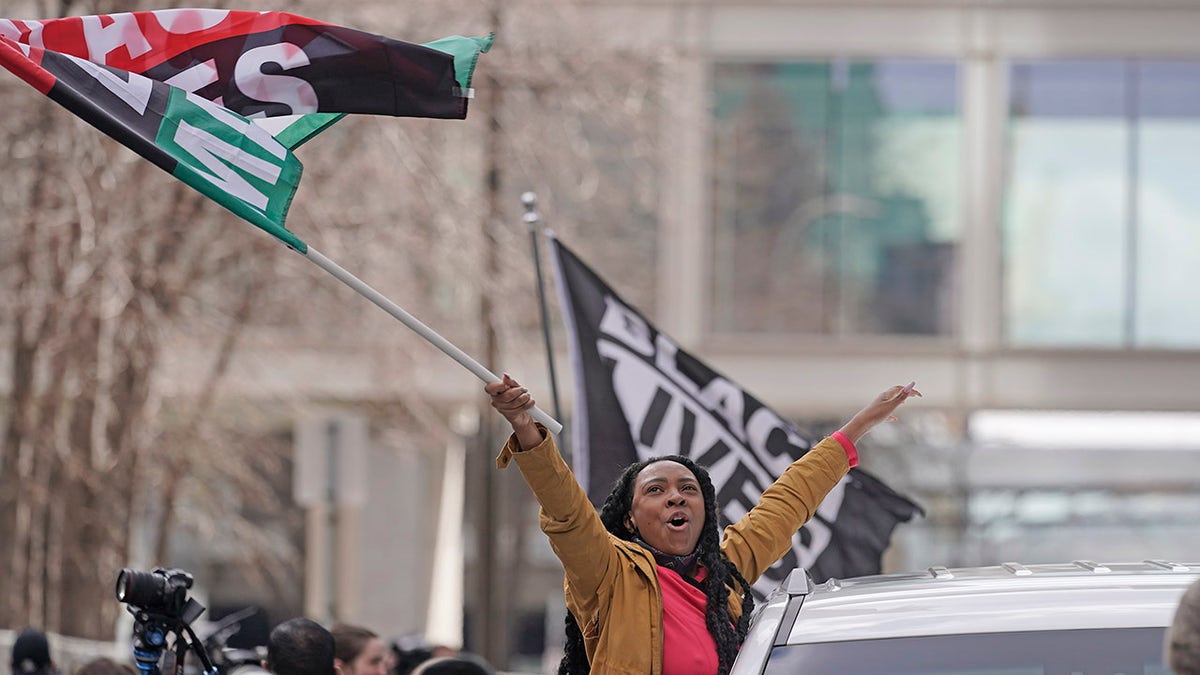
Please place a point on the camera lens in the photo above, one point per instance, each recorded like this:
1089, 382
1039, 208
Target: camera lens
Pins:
141, 589
122, 585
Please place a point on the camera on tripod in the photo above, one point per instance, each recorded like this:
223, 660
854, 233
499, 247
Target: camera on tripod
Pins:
160, 605
163, 592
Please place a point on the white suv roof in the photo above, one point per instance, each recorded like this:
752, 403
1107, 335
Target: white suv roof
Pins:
940, 601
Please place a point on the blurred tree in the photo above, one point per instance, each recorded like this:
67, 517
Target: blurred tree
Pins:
105, 252
112, 271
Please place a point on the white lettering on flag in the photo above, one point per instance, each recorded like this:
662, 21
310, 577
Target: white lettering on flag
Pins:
764, 422
25, 49
629, 329
135, 92
216, 155
9, 29
210, 150
124, 31
726, 399
665, 360
626, 326
290, 91
196, 77
637, 385
243, 126
206, 148
185, 21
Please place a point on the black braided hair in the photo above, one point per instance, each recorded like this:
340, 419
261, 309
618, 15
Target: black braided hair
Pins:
727, 635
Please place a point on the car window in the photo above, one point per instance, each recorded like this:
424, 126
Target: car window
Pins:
1110, 651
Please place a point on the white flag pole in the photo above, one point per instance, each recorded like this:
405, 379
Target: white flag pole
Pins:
421, 329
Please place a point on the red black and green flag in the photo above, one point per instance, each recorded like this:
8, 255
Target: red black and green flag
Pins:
219, 98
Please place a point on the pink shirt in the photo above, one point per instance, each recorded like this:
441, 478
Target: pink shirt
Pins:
688, 648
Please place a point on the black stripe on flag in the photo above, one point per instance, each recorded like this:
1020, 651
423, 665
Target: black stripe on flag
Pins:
127, 108
346, 71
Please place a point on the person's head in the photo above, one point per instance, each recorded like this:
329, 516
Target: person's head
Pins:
459, 664
102, 665
300, 647
358, 651
1183, 637
31, 653
669, 503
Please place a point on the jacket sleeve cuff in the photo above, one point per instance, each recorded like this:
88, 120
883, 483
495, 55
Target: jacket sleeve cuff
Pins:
848, 446
512, 447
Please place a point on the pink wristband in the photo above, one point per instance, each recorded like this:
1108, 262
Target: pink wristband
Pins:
848, 446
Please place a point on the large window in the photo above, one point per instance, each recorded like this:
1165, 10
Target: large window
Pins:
1102, 212
836, 197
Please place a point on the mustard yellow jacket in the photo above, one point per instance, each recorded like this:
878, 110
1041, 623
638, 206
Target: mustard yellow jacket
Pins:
611, 585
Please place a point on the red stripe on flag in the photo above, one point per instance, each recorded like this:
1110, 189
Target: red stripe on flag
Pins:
167, 33
26, 66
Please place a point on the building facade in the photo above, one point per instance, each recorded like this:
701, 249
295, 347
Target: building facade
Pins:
992, 198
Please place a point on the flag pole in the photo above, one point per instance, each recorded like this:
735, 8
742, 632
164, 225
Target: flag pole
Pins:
421, 329
532, 218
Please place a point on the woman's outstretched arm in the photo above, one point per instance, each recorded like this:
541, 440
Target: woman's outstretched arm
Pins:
576, 533
764, 534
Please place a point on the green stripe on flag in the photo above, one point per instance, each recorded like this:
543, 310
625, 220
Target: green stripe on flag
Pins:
231, 160
466, 51
294, 130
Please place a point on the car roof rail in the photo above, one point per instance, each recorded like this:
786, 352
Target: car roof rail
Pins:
1168, 565
798, 582
940, 572
1091, 566
1016, 569
799, 585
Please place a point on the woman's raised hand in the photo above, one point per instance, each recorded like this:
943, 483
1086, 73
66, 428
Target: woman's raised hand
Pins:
878, 410
513, 401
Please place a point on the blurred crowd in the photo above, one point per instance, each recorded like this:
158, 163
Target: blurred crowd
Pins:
304, 647
295, 647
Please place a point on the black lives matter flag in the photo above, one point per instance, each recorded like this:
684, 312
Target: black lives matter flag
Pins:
219, 98
638, 395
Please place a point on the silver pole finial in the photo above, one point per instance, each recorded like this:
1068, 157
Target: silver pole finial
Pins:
531, 217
